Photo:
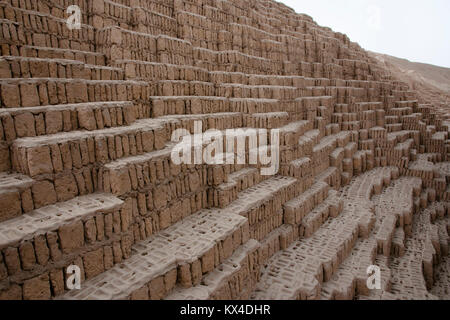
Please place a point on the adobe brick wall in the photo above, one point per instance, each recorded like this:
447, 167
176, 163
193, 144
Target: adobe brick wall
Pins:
87, 179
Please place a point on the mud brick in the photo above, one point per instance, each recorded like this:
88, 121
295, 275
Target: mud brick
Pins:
27, 256
14, 292
39, 160
66, 187
208, 261
71, 237
140, 294
93, 263
57, 281
29, 95
157, 288
12, 260
42, 250
37, 288
10, 95
44, 194
10, 204
25, 125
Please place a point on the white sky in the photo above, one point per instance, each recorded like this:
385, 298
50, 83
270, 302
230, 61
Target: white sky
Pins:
417, 30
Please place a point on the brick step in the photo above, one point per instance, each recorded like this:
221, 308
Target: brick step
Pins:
47, 31
398, 243
366, 106
58, 7
161, 7
299, 168
183, 88
234, 60
332, 128
344, 117
155, 23
442, 276
351, 126
331, 207
15, 195
257, 79
331, 176
47, 120
180, 255
392, 119
257, 91
16, 93
394, 209
201, 105
64, 151
296, 209
270, 120
407, 104
87, 57
262, 206
350, 149
394, 127
236, 182
121, 44
386, 274
26, 67
37, 246
218, 284
155, 71
155, 6
310, 102
210, 121
400, 112
309, 262
327, 145
350, 278
220, 230
419, 256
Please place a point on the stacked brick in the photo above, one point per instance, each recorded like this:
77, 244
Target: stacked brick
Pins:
86, 170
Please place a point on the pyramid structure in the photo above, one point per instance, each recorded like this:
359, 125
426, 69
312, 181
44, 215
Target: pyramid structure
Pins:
87, 177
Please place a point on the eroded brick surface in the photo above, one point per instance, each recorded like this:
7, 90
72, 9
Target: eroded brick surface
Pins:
87, 176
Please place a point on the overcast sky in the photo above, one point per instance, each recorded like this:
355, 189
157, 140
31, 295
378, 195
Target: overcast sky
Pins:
418, 30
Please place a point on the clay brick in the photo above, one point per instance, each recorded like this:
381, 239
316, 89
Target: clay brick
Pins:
93, 263
53, 122
10, 205
66, 187
39, 161
90, 231
108, 258
57, 282
12, 293
25, 126
208, 261
44, 194
29, 95
27, 256
71, 237
157, 288
3, 270
42, 250
37, 288
10, 95
140, 294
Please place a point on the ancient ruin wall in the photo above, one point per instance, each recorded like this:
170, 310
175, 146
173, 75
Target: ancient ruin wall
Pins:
88, 181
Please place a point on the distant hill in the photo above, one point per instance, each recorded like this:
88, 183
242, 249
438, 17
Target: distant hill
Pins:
433, 82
